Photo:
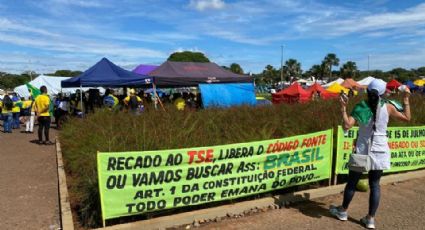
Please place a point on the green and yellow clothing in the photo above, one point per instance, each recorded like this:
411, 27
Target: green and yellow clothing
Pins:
17, 106
180, 103
3, 109
127, 99
42, 105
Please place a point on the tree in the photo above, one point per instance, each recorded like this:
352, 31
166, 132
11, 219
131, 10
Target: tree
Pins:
292, 68
329, 61
65, 73
316, 71
236, 68
269, 75
349, 70
188, 56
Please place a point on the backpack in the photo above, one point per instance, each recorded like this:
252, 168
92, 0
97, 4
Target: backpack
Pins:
7, 103
133, 102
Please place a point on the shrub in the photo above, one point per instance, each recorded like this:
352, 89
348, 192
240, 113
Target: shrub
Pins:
156, 130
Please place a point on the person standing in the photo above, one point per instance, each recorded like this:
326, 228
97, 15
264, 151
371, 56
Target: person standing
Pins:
7, 106
28, 112
372, 116
109, 100
42, 107
133, 102
16, 111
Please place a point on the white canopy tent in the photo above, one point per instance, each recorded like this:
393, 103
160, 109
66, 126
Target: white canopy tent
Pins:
339, 81
52, 83
366, 81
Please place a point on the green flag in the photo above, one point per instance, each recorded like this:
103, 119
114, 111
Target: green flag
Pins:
33, 90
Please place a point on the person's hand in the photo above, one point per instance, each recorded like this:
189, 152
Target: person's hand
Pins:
407, 92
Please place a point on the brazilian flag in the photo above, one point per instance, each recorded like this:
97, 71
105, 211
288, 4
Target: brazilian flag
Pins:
33, 90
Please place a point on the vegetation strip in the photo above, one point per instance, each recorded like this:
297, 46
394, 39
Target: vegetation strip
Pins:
65, 207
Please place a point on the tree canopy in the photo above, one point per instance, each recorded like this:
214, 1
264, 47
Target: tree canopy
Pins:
236, 68
188, 56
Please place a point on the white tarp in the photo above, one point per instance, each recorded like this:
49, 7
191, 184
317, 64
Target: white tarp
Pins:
52, 83
339, 81
366, 81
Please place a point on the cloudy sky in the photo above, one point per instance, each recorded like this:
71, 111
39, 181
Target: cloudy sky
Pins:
46, 35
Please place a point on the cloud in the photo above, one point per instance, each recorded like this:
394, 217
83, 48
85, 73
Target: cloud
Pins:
202, 5
8, 25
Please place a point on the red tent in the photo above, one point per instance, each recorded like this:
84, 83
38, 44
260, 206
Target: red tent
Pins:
317, 89
292, 94
393, 84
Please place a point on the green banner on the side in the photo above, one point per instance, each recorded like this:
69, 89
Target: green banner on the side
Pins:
137, 182
407, 145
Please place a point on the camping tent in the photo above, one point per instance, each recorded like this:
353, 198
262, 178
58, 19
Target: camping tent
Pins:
144, 69
294, 93
177, 74
351, 84
318, 89
419, 82
339, 81
411, 85
366, 81
393, 84
53, 84
337, 88
106, 73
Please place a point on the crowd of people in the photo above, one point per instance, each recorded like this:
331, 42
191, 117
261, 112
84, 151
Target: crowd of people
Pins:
15, 110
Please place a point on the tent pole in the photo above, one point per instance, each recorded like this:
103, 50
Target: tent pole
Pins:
157, 96
81, 100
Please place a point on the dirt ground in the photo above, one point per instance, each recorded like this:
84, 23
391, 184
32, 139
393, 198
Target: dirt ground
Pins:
28, 179
402, 207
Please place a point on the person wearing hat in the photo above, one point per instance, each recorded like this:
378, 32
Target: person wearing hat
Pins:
132, 102
372, 116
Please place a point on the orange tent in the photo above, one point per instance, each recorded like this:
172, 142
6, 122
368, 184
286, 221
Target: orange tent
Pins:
292, 94
318, 89
349, 83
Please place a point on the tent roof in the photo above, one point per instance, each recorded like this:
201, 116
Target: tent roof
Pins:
337, 88
144, 69
350, 84
366, 81
106, 73
393, 84
53, 84
316, 87
293, 90
339, 81
192, 74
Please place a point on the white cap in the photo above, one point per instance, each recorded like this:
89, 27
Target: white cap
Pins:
379, 85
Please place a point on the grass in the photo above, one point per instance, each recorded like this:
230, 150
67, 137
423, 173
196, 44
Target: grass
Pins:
156, 130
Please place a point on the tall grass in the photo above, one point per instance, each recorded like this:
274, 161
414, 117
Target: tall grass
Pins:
156, 130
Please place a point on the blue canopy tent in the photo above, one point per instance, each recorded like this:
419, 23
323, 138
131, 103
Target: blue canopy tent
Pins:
107, 74
411, 85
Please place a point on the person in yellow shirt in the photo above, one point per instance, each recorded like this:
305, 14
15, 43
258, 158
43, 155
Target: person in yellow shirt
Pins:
28, 113
179, 102
109, 100
6, 110
16, 111
42, 109
133, 102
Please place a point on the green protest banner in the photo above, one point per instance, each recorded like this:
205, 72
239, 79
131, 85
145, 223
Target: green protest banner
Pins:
132, 183
407, 145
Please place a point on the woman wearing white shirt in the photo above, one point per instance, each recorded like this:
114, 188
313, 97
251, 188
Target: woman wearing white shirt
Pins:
372, 116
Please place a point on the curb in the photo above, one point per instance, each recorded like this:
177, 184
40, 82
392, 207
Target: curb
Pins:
188, 218
65, 207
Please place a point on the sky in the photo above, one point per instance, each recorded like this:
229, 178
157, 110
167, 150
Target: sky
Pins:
47, 35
